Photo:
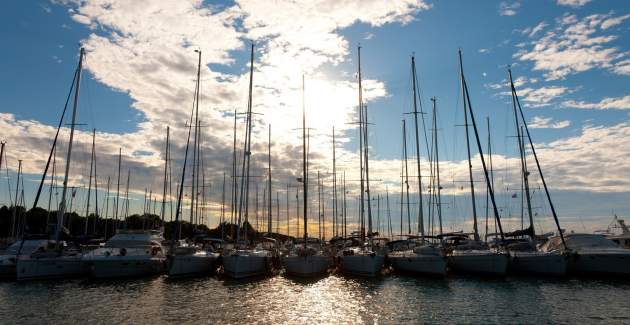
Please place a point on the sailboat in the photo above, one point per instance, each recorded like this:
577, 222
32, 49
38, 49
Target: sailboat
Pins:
525, 257
472, 255
190, 259
245, 260
423, 257
306, 259
362, 259
591, 254
128, 253
58, 259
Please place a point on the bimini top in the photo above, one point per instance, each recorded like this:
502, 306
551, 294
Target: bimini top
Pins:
133, 239
27, 246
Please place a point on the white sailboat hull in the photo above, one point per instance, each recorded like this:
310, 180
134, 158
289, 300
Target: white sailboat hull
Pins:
479, 262
538, 263
181, 265
419, 263
125, 266
306, 266
363, 264
44, 268
243, 266
614, 263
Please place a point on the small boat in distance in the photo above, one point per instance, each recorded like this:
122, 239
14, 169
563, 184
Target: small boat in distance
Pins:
618, 232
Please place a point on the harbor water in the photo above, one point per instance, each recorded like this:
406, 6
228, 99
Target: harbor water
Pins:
334, 299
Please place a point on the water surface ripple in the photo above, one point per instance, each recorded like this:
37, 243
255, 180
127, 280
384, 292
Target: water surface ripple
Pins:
330, 300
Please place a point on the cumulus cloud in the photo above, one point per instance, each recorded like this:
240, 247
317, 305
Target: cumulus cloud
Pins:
540, 122
540, 97
508, 8
145, 51
606, 103
576, 45
573, 3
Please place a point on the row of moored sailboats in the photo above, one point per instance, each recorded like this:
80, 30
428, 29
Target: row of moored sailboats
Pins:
364, 253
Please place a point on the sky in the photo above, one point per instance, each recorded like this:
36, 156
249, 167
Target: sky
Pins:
570, 60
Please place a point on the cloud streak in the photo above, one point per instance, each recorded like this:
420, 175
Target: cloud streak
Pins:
576, 45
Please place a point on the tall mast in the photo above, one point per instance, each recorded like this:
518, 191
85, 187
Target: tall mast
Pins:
345, 211
166, 163
87, 206
437, 163
335, 202
233, 187
542, 178
415, 118
244, 197
361, 126
404, 130
222, 222
304, 171
117, 190
269, 222
106, 210
389, 214
521, 150
52, 184
14, 228
364, 135
491, 178
319, 206
297, 212
2, 144
470, 172
62, 208
178, 208
277, 212
127, 196
526, 184
288, 213
195, 163
95, 187
367, 174
466, 99
256, 208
